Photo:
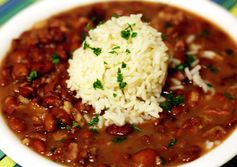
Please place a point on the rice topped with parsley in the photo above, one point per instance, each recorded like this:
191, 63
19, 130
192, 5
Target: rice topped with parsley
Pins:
120, 70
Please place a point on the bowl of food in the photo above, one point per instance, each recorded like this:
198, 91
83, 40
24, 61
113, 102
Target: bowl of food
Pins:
119, 83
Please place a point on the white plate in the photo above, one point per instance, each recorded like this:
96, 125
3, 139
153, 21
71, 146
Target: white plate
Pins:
12, 146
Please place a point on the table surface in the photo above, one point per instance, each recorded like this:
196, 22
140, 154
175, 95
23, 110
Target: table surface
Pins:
9, 8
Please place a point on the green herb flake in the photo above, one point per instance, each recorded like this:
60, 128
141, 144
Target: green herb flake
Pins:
86, 45
125, 34
32, 76
116, 47
212, 69
128, 51
122, 84
98, 85
171, 101
97, 51
61, 140
228, 96
124, 65
188, 62
94, 120
136, 128
118, 139
115, 94
105, 62
115, 15
172, 143
134, 34
209, 85
76, 125
94, 130
55, 58
163, 37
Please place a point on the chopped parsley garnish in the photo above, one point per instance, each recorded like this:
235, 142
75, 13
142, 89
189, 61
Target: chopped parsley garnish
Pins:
94, 120
94, 130
167, 25
128, 51
128, 32
171, 101
115, 15
172, 143
118, 139
135, 127
89, 26
98, 85
115, 94
105, 62
32, 76
124, 65
134, 34
55, 58
188, 62
76, 125
163, 37
62, 140
228, 96
209, 85
212, 68
68, 127
114, 50
122, 84
96, 51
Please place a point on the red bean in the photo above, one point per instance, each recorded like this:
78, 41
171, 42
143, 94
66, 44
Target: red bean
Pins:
19, 71
178, 110
17, 125
26, 90
51, 100
11, 104
62, 115
39, 146
37, 136
83, 107
42, 67
18, 56
50, 122
119, 131
145, 158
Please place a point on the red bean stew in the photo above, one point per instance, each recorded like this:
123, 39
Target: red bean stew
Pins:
46, 117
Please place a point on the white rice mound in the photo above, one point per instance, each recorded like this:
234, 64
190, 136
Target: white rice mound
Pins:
145, 72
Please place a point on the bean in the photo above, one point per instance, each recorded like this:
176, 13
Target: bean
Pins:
18, 56
11, 104
50, 122
17, 125
119, 131
19, 71
39, 146
26, 90
51, 101
178, 110
145, 158
83, 108
42, 67
37, 136
62, 115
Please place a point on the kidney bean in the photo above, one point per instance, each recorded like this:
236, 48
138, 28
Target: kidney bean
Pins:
83, 108
18, 56
51, 100
42, 67
11, 104
145, 158
26, 90
177, 110
19, 71
119, 131
37, 136
50, 122
39, 146
17, 125
62, 115
56, 34
191, 153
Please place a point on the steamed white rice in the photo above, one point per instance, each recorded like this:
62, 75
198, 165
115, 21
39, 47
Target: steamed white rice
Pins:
146, 62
